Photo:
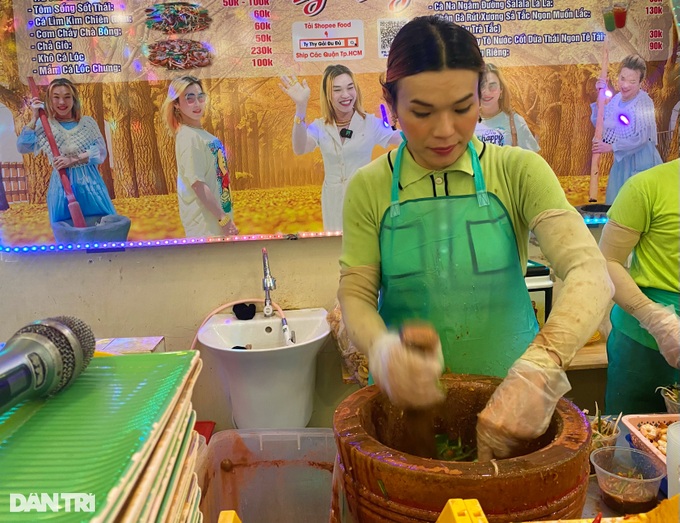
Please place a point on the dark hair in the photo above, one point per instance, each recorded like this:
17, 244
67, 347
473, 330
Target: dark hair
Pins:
636, 63
429, 43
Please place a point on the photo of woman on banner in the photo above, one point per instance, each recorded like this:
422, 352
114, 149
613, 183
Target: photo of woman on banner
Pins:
629, 126
203, 183
346, 134
499, 124
81, 147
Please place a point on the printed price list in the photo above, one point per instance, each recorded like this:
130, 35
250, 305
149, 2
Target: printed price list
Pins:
60, 33
261, 50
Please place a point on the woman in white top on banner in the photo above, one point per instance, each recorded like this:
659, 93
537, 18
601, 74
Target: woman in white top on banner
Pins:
498, 123
345, 133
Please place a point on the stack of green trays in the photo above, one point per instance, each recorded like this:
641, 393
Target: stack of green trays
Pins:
122, 432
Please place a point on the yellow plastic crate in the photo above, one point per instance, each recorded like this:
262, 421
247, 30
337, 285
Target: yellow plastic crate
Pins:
470, 511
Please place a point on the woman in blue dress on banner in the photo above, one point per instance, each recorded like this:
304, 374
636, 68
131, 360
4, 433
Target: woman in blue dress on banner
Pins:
81, 146
629, 127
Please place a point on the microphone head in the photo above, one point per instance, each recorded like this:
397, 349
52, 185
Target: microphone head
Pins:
73, 339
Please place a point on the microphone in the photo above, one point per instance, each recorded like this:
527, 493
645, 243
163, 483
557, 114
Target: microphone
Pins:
346, 133
43, 358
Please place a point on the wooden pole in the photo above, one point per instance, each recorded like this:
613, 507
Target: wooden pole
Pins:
73, 205
599, 125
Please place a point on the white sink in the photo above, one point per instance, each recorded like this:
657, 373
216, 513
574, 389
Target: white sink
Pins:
225, 331
271, 384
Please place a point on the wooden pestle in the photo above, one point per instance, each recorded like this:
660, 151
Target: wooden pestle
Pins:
419, 424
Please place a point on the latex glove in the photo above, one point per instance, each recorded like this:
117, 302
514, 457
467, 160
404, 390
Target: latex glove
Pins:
520, 408
664, 324
409, 376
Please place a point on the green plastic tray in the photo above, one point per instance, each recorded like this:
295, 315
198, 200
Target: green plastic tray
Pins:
94, 437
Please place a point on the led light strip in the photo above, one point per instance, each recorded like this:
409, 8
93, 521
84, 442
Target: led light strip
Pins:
90, 246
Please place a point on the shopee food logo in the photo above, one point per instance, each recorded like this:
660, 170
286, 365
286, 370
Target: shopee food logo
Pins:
56, 502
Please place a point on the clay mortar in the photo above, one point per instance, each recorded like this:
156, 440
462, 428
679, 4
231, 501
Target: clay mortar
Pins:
384, 481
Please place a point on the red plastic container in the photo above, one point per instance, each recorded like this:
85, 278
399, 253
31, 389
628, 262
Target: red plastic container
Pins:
205, 429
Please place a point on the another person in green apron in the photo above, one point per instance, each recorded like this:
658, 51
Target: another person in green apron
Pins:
643, 347
439, 230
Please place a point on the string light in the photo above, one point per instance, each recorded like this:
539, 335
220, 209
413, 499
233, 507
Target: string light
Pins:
105, 246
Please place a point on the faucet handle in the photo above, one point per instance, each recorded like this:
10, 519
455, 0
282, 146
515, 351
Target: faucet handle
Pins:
269, 283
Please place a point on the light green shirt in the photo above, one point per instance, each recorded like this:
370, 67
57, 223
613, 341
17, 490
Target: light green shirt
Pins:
649, 203
522, 180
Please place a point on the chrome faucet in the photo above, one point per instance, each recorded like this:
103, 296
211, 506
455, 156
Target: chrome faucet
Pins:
268, 284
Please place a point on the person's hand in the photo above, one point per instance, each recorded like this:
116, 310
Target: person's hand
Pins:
63, 162
229, 229
408, 367
602, 147
664, 324
600, 84
298, 91
520, 408
35, 104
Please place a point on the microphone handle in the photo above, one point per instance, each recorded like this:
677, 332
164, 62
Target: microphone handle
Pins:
30, 367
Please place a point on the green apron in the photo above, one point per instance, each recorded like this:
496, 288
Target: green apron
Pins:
453, 261
635, 366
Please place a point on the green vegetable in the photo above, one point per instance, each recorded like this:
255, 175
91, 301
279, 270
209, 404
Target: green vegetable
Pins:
672, 392
453, 450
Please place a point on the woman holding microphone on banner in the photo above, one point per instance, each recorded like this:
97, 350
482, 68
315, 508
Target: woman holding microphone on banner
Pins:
629, 126
81, 146
345, 133
439, 229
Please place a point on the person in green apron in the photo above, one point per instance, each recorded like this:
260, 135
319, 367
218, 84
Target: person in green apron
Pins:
643, 347
438, 231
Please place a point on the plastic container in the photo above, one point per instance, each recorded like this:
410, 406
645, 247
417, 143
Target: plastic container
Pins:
673, 459
672, 407
620, 11
268, 476
608, 16
635, 421
598, 441
629, 479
